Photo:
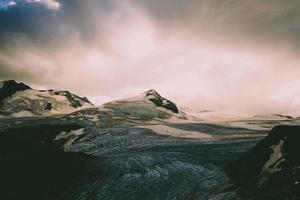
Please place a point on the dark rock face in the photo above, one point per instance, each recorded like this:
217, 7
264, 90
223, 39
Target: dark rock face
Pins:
10, 87
73, 98
48, 106
160, 101
271, 170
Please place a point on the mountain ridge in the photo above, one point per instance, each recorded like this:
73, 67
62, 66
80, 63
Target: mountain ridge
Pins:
20, 100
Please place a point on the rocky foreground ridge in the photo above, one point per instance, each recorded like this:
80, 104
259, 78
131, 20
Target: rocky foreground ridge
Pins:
271, 169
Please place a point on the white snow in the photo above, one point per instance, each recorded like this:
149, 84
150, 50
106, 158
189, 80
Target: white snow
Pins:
208, 115
28, 94
70, 135
247, 125
166, 130
22, 114
64, 134
272, 165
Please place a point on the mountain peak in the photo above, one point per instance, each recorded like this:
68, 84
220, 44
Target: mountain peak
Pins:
10, 87
160, 101
13, 83
153, 93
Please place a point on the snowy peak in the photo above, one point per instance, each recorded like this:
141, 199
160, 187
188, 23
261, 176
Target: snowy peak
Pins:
20, 100
160, 101
10, 87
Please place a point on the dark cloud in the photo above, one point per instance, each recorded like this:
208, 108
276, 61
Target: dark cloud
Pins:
29, 20
39, 29
8, 72
42, 26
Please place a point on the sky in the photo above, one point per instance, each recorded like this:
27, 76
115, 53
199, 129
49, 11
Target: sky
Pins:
236, 55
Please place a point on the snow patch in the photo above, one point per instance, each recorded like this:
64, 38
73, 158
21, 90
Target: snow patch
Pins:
64, 134
248, 125
166, 130
272, 165
22, 114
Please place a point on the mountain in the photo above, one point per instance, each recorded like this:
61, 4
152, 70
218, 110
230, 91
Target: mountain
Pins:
146, 106
160, 101
271, 169
20, 100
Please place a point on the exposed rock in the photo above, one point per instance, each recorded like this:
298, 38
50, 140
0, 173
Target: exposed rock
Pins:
160, 101
284, 116
48, 106
271, 170
76, 101
9, 88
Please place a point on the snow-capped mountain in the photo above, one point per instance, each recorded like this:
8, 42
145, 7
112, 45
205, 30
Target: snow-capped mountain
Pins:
146, 106
20, 100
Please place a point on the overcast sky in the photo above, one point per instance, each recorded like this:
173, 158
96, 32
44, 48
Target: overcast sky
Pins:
241, 55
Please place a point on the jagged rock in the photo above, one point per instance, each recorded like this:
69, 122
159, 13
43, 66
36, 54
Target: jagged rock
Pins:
9, 88
76, 101
160, 101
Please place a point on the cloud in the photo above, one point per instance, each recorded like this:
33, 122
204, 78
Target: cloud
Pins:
50, 4
12, 3
264, 20
230, 54
7, 4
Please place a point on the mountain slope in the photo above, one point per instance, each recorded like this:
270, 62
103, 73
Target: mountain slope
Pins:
19, 100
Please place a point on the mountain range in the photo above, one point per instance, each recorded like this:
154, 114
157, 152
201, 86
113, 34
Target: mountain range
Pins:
20, 100
58, 145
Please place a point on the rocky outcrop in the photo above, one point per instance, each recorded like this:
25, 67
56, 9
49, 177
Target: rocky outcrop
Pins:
160, 101
271, 169
75, 101
9, 88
